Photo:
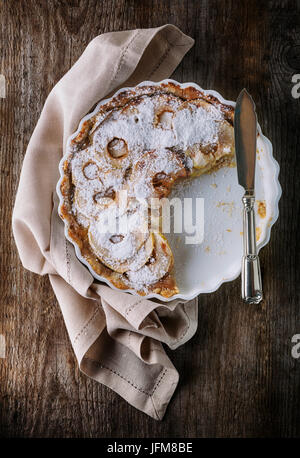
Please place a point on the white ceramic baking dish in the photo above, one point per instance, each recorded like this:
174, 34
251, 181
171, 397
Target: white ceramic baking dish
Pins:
203, 268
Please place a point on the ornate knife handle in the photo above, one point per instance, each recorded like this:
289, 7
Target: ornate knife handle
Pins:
251, 275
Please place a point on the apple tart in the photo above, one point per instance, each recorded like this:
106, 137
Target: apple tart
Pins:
127, 155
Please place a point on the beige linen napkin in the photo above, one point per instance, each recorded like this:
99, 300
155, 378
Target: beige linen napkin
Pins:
117, 337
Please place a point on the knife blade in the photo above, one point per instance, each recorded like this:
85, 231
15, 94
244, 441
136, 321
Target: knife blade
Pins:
245, 133
245, 129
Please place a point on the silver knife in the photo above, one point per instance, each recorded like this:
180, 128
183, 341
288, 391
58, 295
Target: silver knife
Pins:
245, 132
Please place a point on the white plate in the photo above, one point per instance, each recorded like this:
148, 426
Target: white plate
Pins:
203, 268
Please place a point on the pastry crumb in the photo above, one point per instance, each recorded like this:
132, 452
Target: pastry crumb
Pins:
258, 233
261, 208
227, 207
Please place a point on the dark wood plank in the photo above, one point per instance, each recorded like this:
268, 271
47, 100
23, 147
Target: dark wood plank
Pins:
238, 378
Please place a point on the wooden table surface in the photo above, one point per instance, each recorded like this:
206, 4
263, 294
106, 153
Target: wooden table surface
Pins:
238, 378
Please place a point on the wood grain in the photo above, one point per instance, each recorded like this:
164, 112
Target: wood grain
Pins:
238, 378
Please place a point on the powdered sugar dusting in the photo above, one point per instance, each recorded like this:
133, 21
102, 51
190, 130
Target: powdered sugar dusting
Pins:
156, 268
197, 125
159, 164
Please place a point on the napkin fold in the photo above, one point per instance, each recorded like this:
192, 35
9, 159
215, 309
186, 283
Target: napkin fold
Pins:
117, 337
